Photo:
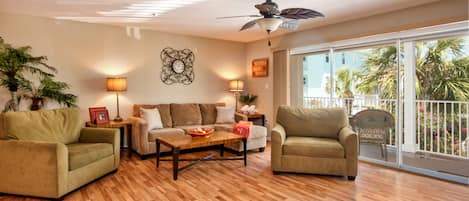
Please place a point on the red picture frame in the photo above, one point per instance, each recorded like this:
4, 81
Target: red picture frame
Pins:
92, 111
101, 116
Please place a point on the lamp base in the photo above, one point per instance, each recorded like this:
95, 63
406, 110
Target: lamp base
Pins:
118, 118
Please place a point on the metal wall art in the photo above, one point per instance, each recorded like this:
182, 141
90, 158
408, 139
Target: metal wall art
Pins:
177, 66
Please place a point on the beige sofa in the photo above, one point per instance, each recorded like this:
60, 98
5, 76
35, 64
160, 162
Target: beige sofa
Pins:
316, 141
48, 153
177, 118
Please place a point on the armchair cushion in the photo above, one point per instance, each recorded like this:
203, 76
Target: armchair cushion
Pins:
313, 147
303, 122
82, 154
60, 125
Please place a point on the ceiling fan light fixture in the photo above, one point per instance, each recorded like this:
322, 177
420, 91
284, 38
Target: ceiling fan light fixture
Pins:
269, 24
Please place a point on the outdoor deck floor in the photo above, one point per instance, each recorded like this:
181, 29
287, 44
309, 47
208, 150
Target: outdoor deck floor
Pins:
444, 164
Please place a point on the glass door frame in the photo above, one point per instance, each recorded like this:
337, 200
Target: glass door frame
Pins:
440, 31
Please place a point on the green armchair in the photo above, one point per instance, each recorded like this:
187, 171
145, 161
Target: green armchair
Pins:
315, 141
48, 153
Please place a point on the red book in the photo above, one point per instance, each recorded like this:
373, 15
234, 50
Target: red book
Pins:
243, 128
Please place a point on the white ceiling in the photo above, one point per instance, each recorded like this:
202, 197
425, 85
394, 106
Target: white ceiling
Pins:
198, 18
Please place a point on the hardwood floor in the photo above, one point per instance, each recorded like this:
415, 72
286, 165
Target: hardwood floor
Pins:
230, 180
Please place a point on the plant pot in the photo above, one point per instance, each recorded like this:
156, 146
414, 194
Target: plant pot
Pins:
36, 104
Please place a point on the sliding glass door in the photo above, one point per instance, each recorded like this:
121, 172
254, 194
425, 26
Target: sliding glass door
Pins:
437, 100
422, 81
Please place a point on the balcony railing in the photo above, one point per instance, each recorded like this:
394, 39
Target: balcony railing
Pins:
441, 126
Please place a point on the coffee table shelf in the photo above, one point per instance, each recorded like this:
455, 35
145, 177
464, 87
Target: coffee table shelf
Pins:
183, 142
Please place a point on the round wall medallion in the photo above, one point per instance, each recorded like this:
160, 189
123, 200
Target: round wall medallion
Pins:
177, 66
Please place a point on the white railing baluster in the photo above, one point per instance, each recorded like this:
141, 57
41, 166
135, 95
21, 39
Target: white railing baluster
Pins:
445, 131
460, 131
452, 128
418, 124
438, 129
431, 126
467, 130
425, 126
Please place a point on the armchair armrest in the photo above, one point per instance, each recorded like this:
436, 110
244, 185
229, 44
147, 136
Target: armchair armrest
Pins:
33, 168
278, 138
100, 135
103, 135
349, 140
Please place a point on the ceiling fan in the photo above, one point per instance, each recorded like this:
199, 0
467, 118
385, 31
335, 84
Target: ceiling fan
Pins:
273, 18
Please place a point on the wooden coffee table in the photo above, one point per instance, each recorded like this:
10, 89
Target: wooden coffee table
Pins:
182, 142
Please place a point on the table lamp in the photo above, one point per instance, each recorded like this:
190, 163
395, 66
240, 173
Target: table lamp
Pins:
236, 86
117, 84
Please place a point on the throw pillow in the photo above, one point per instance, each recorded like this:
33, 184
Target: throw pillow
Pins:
243, 128
225, 115
153, 118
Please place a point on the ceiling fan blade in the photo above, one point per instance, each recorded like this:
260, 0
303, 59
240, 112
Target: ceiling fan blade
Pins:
300, 13
291, 25
238, 16
267, 9
248, 25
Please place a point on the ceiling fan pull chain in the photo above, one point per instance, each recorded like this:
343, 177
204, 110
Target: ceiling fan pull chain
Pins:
269, 43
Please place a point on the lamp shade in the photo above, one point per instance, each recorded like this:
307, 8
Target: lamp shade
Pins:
269, 24
116, 84
236, 85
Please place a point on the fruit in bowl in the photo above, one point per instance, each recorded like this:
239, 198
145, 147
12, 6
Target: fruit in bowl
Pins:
200, 131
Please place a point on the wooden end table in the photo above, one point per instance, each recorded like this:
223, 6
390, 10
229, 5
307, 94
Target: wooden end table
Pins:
125, 127
251, 117
181, 142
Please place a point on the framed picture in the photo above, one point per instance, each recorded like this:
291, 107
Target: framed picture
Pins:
92, 111
260, 67
102, 116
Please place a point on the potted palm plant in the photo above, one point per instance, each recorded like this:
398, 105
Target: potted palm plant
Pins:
247, 100
14, 62
48, 89
344, 79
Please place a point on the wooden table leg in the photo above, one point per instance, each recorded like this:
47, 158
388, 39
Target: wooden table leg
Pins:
157, 153
175, 162
129, 139
245, 151
222, 150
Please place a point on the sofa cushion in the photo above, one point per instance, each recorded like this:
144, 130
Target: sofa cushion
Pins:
313, 147
82, 154
209, 113
186, 114
152, 117
153, 134
164, 109
60, 125
312, 122
225, 115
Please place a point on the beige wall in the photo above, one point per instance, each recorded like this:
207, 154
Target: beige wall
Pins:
85, 54
431, 14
